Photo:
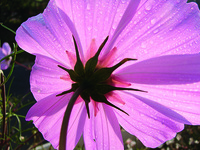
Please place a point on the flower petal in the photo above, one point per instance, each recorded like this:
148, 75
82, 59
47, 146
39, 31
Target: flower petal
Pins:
160, 28
124, 21
102, 131
98, 19
169, 69
183, 99
47, 115
6, 49
172, 81
55, 38
46, 77
149, 125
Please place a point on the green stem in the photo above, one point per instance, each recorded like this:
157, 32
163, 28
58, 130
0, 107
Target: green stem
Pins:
7, 28
27, 68
3, 96
63, 132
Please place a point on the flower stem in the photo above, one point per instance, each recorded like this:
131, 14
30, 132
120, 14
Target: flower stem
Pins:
28, 68
3, 96
63, 132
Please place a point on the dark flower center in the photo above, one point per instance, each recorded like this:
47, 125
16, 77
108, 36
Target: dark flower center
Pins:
94, 80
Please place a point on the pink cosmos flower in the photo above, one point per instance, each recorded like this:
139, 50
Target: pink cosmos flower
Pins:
5, 50
164, 37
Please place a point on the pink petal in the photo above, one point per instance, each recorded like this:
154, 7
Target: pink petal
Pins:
149, 125
102, 131
183, 100
124, 21
160, 28
172, 81
170, 69
97, 19
85, 20
4, 51
46, 79
47, 115
55, 38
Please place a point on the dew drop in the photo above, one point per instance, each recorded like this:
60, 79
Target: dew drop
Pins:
114, 26
89, 28
155, 31
148, 7
151, 42
153, 21
88, 6
143, 45
123, 1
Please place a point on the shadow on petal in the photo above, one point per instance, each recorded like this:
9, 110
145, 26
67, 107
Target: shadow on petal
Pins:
163, 110
164, 70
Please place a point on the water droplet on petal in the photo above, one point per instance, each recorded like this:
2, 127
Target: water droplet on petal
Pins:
155, 31
143, 45
88, 6
153, 21
114, 26
123, 1
148, 6
89, 28
151, 42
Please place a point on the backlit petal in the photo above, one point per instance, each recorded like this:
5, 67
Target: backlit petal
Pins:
160, 28
170, 69
94, 19
46, 79
103, 130
4, 51
172, 81
149, 125
47, 115
47, 34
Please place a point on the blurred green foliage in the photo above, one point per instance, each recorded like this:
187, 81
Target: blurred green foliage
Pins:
17, 11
